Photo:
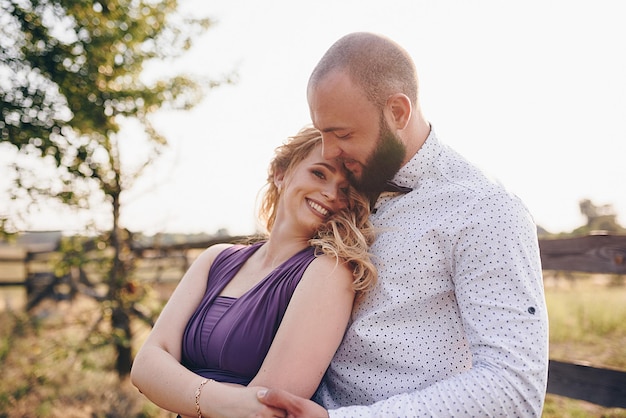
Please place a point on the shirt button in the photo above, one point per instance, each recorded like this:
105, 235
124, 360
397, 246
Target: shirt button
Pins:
531, 310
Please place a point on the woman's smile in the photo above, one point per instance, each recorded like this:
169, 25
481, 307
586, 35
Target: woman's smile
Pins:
318, 208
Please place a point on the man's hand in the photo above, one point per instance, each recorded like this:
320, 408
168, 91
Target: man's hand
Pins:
295, 406
240, 401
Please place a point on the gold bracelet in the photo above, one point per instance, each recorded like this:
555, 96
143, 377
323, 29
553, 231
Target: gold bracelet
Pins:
198, 391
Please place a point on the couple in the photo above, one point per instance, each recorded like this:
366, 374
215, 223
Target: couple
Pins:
451, 321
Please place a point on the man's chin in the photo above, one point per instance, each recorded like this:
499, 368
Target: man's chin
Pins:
355, 172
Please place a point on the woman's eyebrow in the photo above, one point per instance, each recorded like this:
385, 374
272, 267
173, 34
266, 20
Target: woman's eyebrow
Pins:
327, 165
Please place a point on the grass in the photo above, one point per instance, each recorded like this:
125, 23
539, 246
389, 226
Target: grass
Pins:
47, 372
587, 325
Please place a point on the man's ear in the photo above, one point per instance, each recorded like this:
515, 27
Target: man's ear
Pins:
400, 107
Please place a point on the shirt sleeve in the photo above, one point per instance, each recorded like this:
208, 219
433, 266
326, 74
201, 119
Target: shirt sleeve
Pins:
499, 290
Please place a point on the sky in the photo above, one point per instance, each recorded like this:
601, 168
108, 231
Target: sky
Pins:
533, 92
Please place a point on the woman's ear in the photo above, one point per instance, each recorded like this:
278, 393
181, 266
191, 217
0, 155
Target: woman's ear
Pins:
400, 107
279, 179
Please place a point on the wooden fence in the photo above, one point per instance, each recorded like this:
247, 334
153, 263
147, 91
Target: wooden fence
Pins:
598, 253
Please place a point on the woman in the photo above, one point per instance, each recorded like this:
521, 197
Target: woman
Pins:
270, 314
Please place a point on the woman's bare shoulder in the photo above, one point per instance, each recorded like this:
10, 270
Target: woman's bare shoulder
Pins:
209, 254
327, 266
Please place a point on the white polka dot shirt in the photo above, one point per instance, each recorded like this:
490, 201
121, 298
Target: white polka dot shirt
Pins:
457, 324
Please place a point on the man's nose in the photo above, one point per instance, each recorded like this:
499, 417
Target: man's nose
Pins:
330, 150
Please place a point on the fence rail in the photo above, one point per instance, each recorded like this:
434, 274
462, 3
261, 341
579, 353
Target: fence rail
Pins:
604, 387
597, 253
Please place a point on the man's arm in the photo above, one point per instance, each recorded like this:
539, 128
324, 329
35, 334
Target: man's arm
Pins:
501, 302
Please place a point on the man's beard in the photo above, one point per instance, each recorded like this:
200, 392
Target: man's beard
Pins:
384, 162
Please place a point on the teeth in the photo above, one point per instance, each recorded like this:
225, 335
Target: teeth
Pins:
318, 208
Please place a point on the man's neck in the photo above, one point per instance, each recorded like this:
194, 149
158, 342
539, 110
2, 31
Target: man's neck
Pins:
416, 134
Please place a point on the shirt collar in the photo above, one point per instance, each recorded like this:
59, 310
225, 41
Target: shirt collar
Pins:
410, 173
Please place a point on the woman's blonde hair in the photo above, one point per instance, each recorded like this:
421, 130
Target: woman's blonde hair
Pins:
348, 234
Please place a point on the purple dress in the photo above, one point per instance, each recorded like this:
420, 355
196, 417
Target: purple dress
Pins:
227, 338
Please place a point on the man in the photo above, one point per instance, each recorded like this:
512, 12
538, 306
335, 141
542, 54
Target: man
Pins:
457, 324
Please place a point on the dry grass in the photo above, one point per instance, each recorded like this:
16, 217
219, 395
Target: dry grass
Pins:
51, 368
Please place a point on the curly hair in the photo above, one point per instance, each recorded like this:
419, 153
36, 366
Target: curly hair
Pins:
348, 234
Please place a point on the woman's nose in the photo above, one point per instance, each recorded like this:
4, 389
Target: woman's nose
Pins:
330, 192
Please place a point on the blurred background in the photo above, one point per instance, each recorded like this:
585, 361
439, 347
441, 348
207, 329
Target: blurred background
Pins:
533, 92
134, 134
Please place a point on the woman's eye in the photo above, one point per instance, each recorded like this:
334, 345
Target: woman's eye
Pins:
318, 174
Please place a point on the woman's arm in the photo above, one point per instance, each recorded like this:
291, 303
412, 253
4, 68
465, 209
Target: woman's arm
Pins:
309, 334
158, 373
311, 330
307, 339
156, 370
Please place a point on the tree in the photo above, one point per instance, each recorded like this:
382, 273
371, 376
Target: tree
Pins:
69, 78
599, 218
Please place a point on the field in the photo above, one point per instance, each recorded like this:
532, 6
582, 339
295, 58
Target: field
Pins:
47, 372
587, 326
